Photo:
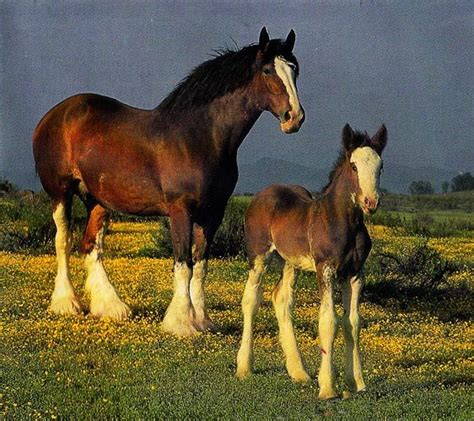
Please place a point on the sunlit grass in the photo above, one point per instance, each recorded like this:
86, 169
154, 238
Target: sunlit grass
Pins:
416, 365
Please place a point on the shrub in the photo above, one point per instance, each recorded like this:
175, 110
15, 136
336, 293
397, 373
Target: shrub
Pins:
415, 269
27, 223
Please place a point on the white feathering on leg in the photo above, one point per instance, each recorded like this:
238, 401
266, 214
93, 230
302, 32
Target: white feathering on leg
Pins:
63, 299
105, 302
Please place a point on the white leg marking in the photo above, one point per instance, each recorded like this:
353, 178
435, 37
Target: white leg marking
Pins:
63, 299
351, 327
282, 298
250, 302
179, 317
202, 320
327, 333
105, 302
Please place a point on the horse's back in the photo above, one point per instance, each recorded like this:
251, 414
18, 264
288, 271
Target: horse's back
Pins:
278, 217
82, 129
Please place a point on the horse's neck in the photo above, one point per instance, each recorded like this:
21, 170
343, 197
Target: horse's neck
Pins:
232, 117
340, 202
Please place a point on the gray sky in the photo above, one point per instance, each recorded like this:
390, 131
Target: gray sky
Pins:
406, 64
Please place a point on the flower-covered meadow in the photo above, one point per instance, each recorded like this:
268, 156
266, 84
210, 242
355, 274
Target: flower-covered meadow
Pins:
418, 359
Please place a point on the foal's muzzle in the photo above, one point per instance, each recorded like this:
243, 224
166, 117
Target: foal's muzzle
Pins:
291, 122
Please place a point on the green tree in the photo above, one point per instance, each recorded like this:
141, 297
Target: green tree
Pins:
462, 182
421, 187
445, 186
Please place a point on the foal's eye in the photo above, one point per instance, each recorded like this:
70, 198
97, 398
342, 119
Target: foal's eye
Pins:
354, 167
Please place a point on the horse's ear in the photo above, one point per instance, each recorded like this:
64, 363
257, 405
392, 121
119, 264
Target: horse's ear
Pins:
348, 138
379, 140
264, 39
290, 40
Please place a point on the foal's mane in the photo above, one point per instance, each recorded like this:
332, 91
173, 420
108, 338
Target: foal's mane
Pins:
359, 139
228, 71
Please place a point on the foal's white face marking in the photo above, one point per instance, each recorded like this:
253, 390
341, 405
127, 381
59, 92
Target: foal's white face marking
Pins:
368, 164
285, 71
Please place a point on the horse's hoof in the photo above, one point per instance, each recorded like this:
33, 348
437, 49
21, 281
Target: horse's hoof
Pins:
114, 310
205, 325
180, 328
67, 305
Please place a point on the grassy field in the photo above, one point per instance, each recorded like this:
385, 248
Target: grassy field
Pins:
418, 352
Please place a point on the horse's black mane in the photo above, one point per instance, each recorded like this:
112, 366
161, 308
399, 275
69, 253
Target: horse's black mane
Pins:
359, 139
227, 71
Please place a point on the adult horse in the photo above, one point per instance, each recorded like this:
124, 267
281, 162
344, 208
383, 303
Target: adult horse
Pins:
177, 160
326, 236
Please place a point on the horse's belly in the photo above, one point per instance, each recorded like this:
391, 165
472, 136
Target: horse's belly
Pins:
306, 263
124, 192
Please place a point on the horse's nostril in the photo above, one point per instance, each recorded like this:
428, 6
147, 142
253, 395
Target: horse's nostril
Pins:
286, 116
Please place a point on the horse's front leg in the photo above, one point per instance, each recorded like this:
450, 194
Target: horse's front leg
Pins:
327, 330
351, 289
179, 317
202, 239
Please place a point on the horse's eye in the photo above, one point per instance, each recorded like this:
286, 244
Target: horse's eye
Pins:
266, 71
354, 167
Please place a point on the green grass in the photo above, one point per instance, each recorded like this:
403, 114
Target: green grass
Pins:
417, 350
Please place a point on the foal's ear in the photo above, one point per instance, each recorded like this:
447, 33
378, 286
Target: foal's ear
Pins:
348, 138
290, 40
263, 40
379, 140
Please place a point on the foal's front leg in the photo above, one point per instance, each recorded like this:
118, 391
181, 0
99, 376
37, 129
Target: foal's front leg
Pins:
251, 300
179, 317
327, 331
351, 289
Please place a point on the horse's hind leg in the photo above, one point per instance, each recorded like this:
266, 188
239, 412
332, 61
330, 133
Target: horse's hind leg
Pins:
351, 289
104, 299
202, 238
63, 299
282, 298
179, 317
251, 300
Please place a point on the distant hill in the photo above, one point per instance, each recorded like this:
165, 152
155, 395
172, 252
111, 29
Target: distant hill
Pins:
395, 178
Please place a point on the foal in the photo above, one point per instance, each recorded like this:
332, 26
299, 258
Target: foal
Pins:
326, 236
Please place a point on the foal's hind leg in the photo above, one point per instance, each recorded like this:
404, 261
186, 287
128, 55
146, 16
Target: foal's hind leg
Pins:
251, 299
63, 299
351, 289
104, 300
282, 298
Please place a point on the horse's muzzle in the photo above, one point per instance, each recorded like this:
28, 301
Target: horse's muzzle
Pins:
291, 123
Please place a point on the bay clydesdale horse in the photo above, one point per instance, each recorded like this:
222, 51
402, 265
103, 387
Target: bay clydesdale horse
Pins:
177, 160
326, 236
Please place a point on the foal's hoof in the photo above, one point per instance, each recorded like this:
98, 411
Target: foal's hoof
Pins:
243, 374
301, 377
65, 305
328, 395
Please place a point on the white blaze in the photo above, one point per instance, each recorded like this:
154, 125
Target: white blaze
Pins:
285, 72
368, 164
